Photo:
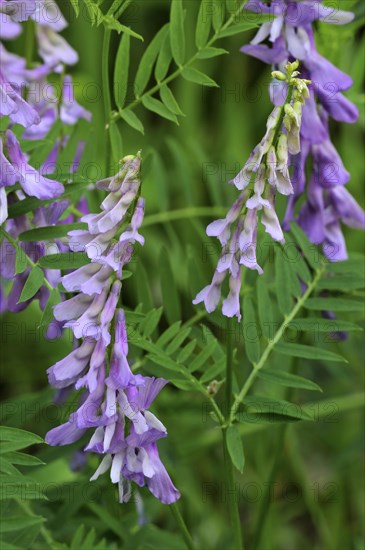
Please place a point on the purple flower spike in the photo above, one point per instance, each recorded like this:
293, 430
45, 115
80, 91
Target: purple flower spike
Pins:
290, 35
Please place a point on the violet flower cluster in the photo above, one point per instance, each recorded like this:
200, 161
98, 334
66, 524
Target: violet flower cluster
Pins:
114, 401
266, 171
29, 100
290, 36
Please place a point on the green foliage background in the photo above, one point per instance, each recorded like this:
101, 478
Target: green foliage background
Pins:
316, 497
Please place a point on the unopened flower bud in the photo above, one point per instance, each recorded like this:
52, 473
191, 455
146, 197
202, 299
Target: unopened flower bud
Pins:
278, 75
282, 149
287, 123
291, 67
213, 387
292, 115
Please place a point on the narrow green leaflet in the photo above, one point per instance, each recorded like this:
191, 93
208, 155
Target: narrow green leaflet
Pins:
148, 59
265, 308
310, 251
143, 288
75, 5
169, 334
47, 317
235, 448
164, 60
50, 232
237, 29
177, 34
22, 459
353, 265
19, 436
213, 371
342, 282
121, 71
294, 286
132, 120
150, 322
218, 14
318, 324
186, 352
301, 268
193, 75
113, 24
308, 352
159, 108
200, 360
203, 24
208, 53
335, 304
267, 409
169, 100
250, 331
176, 343
170, 295
21, 262
287, 379
32, 284
65, 260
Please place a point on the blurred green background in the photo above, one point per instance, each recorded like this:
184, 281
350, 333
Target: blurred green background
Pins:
317, 496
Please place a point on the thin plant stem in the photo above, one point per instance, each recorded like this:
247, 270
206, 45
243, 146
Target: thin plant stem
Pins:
29, 42
182, 526
228, 466
272, 343
106, 94
184, 213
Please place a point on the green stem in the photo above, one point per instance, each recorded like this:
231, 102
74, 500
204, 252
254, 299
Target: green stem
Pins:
182, 526
228, 466
20, 249
29, 42
229, 365
178, 71
272, 343
106, 94
184, 213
